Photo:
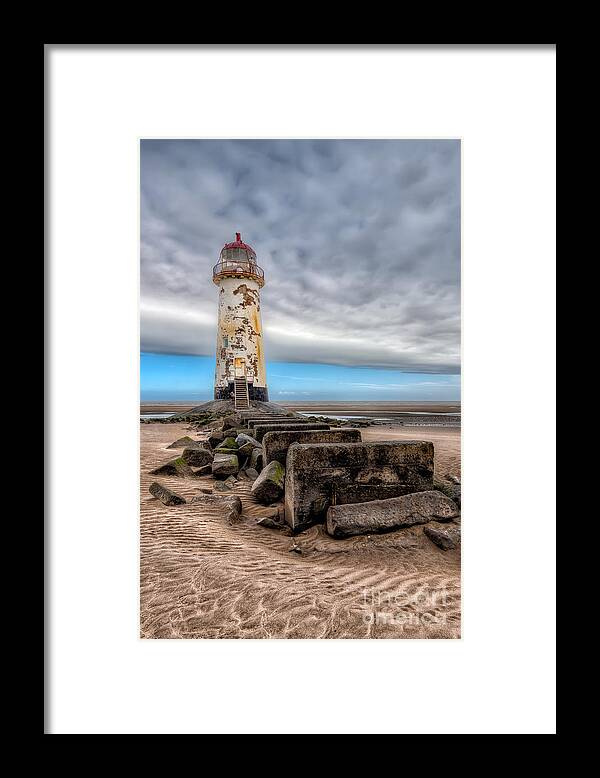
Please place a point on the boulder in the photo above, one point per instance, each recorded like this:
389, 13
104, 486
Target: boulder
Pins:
449, 488
271, 522
215, 438
325, 474
385, 515
224, 465
276, 444
269, 485
251, 474
177, 467
223, 486
185, 442
443, 537
197, 457
228, 443
231, 505
229, 422
166, 496
247, 449
242, 439
256, 461
202, 471
285, 426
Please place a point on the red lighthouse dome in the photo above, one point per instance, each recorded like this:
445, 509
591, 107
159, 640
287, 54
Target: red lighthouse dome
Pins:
238, 260
238, 243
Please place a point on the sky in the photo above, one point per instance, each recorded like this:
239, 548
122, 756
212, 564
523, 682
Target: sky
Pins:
360, 244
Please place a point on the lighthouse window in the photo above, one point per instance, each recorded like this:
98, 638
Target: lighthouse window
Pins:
225, 342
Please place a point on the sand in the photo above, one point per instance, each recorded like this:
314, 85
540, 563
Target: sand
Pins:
203, 577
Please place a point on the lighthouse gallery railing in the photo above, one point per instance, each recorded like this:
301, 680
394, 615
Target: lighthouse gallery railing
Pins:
242, 269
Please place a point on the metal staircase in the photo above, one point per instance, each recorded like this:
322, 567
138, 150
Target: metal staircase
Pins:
240, 393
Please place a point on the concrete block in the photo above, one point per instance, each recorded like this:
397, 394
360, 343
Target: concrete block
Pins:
276, 444
325, 474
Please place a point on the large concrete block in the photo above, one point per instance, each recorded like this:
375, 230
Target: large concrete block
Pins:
276, 444
251, 413
252, 420
262, 429
325, 474
375, 516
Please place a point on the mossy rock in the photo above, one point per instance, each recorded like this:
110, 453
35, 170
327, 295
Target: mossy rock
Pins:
228, 443
269, 485
197, 456
185, 442
177, 467
225, 465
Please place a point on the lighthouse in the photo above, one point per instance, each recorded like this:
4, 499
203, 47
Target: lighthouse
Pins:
240, 368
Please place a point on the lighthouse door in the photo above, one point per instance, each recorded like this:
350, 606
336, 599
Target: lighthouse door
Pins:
239, 366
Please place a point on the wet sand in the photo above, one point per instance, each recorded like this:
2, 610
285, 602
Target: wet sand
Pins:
202, 577
337, 408
396, 408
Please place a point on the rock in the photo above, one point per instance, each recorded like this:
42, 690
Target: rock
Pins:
276, 444
202, 471
386, 515
256, 461
246, 444
325, 474
251, 474
197, 457
228, 443
268, 487
270, 523
166, 496
215, 438
445, 538
453, 478
223, 486
176, 467
229, 422
247, 449
231, 480
224, 465
231, 505
450, 489
185, 442
244, 438
295, 548
262, 429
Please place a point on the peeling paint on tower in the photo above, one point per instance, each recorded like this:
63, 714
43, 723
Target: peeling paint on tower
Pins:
239, 350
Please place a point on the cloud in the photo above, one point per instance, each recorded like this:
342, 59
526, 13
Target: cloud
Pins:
359, 240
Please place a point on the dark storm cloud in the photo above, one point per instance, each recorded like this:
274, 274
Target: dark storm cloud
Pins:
359, 240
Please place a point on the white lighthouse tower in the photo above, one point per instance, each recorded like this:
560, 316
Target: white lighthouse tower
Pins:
240, 371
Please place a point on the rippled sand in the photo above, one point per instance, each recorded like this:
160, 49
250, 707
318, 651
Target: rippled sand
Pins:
203, 577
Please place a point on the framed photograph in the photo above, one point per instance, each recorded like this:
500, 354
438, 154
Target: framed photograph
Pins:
300, 394
301, 385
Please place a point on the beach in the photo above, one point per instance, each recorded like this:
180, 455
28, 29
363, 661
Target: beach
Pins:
204, 576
